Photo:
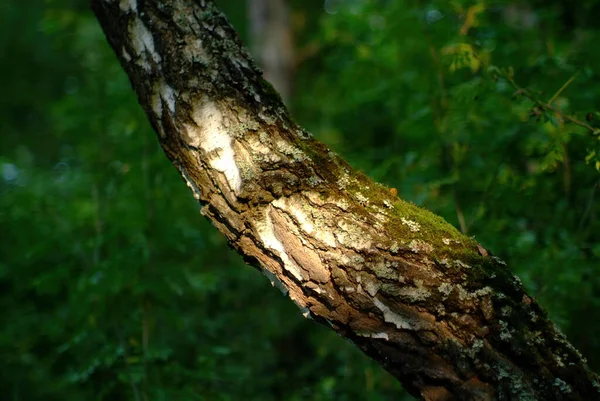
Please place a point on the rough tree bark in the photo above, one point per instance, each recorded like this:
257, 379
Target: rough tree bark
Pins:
438, 311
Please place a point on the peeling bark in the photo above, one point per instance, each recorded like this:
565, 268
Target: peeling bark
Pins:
432, 306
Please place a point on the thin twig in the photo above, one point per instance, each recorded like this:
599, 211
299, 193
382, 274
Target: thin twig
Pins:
589, 205
562, 88
546, 106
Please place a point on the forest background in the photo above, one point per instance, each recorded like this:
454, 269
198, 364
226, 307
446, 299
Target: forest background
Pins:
113, 287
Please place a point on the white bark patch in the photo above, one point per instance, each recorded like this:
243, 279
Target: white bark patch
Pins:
128, 5
189, 183
143, 43
168, 96
267, 235
383, 336
392, 317
162, 93
210, 135
126, 55
297, 213
371, 287
275, 282
311, 226
301, 304
306, 313
156, 101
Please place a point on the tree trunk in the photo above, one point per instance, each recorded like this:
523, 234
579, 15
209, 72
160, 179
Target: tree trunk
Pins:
271, 42
431, 305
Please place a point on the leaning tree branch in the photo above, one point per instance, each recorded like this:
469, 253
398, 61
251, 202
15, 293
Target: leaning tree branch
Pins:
431, 305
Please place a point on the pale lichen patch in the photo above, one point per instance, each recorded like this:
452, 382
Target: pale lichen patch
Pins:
559, 361
313, 180
264, 137
483, 291
462, 293
386, 270
363, 200
499, 261
417, 246
267, 118
344, 181
562, 386
412, 225
194, 52
352, 236
476, 347
293, 152
260, 149
504, 331
414, 294
355, 261
303, 134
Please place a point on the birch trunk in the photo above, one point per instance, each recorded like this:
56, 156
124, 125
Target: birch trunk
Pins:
432, 306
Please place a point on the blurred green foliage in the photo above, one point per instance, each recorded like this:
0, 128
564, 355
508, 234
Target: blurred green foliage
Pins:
112, 287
